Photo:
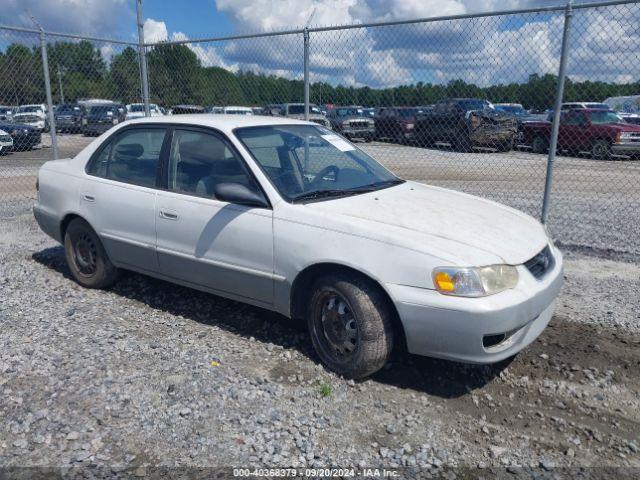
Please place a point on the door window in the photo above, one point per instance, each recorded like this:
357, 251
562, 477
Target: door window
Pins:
132, 157
200, 161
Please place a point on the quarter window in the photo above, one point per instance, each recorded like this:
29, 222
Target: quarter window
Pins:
200, 161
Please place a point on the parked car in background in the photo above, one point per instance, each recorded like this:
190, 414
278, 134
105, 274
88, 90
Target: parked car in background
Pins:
296, 110
68, 117
628, 105
351, 122
24, 137
6, 142
233, 110
396, 123
576, 105
6, 114
258, 110
466, 123
99, 118
136, 110
214, 109
630, 118
34, 115
186, 109
602, 132
273, 109
287, 216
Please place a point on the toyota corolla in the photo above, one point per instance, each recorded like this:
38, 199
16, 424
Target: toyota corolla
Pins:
291, 217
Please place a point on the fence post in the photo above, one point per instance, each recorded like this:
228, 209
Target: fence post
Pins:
143, 60
553, 143
47, 88
305, 36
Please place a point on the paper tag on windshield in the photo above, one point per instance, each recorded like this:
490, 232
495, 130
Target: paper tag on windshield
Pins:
339, 143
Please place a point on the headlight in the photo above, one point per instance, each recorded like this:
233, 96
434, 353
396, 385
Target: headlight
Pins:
345, 123
475, 282
627, 135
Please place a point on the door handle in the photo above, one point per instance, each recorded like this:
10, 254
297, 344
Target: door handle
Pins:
89, 198
168, 214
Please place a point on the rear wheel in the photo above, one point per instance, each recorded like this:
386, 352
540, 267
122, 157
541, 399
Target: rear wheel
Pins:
86, 256
462, 142
601, 150
506, 146
539, 145
350, 324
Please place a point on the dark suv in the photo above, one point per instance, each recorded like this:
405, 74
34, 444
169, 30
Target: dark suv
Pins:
98, 118
465, 123
68, 117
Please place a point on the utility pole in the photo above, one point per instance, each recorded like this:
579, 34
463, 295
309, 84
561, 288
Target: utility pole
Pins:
60, 84
143, 60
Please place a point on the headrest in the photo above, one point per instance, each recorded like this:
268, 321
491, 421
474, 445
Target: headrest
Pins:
202, 151
134, 150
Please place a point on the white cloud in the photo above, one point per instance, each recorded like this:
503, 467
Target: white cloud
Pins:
155, 31
96, 17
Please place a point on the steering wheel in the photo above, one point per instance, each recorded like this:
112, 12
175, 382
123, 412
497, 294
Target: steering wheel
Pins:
324, 172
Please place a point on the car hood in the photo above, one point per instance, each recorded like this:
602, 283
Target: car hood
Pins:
453, 226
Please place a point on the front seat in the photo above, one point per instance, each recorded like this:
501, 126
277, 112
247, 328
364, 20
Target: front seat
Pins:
223, 169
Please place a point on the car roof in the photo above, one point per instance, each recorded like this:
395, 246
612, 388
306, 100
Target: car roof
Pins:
221, 122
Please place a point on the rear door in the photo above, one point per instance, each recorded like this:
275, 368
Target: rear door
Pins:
206, 241
119, 195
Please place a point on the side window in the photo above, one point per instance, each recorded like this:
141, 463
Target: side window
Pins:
130, 157
135, 156
199, 161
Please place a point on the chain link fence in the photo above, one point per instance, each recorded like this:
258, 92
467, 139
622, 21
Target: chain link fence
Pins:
465, 102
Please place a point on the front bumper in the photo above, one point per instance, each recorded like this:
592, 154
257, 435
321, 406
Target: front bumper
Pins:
628, 148
357, 132
491, 135
460, 329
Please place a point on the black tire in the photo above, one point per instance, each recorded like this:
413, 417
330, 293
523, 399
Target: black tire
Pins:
86, 257
462, 143
601, 150
506, 146
539, 145
363, 331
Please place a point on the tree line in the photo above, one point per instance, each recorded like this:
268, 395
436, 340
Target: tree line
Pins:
177, 76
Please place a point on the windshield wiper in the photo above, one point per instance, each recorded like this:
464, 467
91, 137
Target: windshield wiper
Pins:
322, 194
316, 194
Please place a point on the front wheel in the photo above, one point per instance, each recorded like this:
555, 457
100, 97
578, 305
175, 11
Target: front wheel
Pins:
86, 257
601, 150
350, 323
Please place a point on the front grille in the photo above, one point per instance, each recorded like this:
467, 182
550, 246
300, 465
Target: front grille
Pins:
28, 119
358, 124
541, 263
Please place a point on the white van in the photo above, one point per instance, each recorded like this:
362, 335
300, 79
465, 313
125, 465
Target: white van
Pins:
630, 104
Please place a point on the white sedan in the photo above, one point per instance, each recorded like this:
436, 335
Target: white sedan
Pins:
6, 142
289, 216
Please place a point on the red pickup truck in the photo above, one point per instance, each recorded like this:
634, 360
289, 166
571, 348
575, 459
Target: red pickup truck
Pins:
599, 131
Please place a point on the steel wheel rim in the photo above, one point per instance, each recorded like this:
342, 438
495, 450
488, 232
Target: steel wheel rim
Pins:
599, 150
85, 254
337, 326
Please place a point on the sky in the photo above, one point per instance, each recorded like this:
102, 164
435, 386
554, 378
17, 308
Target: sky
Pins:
484, 51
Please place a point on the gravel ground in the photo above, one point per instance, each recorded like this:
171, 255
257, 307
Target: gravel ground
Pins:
595, 204
149, 374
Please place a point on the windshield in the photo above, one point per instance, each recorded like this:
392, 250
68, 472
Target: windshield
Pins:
138, 107
469, 105
101, 109
350, 112
5, 110
308, 161
68, 109
603, 117
516, 110
299, 110
408, 112
29, 109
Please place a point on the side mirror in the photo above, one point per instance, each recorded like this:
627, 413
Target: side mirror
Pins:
237, 193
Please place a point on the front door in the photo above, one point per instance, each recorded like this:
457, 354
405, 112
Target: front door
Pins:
206, 241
